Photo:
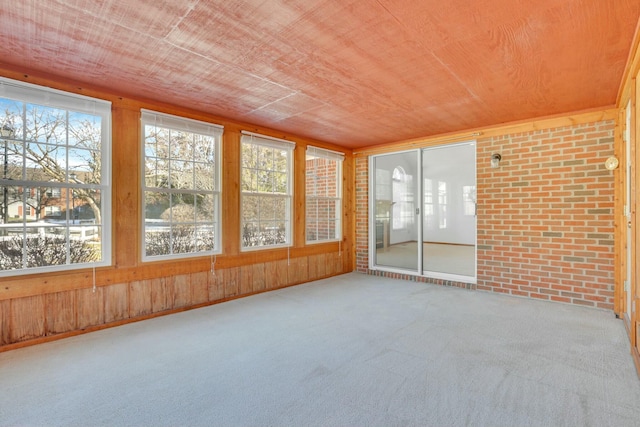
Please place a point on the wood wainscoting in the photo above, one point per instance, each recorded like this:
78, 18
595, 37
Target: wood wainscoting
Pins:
39, 318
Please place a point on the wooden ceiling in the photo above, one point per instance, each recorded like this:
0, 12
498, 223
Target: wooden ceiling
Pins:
351, 72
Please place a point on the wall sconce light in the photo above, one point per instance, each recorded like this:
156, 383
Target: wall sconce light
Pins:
495, 160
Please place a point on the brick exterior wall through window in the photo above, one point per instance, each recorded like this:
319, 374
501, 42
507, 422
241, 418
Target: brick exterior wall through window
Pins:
545, 216
322, 212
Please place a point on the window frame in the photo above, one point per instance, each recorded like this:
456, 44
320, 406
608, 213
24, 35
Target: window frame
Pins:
195, 127
322, 153
278, 144
34, 96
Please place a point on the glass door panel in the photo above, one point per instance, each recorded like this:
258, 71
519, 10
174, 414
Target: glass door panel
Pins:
449, 209
396, 210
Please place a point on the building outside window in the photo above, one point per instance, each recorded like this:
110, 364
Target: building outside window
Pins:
47, 139
181, 187
266, 191
323, 195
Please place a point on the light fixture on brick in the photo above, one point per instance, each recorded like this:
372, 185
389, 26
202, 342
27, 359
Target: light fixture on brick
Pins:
495, 160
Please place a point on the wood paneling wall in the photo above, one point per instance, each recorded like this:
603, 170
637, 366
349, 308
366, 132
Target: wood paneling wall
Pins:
629, 93
36, 308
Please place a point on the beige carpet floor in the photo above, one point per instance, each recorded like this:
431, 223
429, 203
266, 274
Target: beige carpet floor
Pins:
353, 350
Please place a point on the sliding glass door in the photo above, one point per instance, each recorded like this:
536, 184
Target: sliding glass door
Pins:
396, 220
449, 206
423, 209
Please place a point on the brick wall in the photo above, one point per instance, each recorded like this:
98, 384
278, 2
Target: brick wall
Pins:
545, 216
322, 214
362, 214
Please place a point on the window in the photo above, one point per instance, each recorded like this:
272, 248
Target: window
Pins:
402, 186
428, 197
181, 186
53, 193
52, 211
469, 199
266, 189
442, 203
324, 195
52, 142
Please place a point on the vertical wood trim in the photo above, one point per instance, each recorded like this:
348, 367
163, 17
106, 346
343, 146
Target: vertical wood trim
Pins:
298, 270
635, 219
619, 216
126, 186
347, 262
231, 192
140, 301
335, 263
160, 300
5, 323
216, 285
282, 273
200, 287
27, 318
329, 263
349, 213
299, 195
259, 283
90, 307
230, 281
61, 312
312, 267
116, 302
317, 266
246, 279
182, 291
321, 264
270, 275
303, 269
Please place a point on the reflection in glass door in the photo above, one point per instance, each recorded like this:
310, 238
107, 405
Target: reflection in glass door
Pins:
424, 212
396, 225
449, 211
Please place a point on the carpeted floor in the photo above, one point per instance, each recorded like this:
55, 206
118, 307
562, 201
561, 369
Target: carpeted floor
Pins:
353, 350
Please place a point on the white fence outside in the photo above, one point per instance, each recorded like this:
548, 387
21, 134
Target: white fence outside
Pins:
78, 230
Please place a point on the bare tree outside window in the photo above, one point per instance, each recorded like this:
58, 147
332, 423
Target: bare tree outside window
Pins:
266, 192
52, 162
181, 186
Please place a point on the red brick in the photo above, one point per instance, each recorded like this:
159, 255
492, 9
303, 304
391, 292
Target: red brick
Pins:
550, 181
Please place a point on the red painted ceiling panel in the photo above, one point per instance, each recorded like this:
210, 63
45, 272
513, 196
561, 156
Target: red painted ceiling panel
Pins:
354, 72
